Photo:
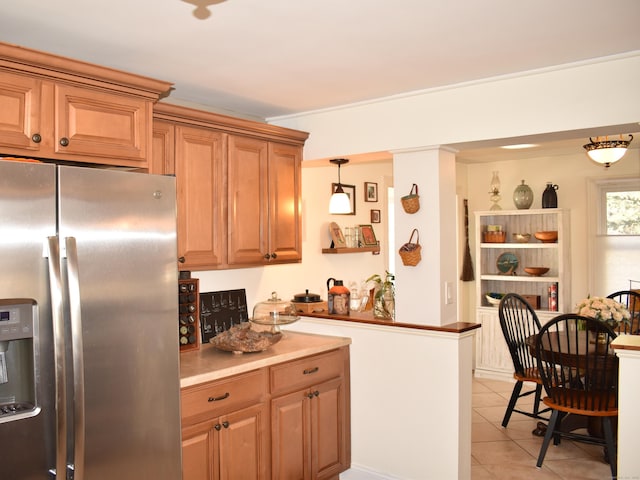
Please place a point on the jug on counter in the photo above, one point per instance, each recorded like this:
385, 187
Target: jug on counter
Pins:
338, 298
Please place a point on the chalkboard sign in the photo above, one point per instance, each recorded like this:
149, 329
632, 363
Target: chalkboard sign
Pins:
219, 311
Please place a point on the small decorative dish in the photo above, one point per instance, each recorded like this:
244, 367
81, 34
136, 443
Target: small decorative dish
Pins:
494, 298
550, 236
507, 263
521, 237
536, 271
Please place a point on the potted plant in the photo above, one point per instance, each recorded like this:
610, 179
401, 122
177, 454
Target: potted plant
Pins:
384, 296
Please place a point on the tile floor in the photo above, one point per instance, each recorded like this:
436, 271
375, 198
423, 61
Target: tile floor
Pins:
511, 453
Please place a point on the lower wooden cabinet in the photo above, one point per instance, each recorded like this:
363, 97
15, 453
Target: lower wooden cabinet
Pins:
227, 447
310, 417
289, 421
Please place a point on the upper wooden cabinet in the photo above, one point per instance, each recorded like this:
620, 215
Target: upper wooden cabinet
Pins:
239, 187
264, 202
57, 108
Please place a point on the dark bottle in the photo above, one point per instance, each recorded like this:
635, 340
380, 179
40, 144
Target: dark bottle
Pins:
549, 196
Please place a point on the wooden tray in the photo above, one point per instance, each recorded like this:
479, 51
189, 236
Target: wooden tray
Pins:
311, 307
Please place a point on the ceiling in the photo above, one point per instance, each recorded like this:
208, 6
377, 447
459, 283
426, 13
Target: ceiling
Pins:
267, 58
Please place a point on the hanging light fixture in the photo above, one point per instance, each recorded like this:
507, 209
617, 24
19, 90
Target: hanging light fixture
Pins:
607, 151
339, 202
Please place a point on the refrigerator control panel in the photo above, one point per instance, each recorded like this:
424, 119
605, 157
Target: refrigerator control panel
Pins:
189, 314
16, 322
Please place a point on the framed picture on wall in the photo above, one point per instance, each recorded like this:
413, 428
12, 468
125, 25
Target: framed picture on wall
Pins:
350, 190
375, 216
368, 236
370, 192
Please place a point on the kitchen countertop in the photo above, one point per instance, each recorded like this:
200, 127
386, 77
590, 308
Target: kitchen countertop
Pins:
208, 363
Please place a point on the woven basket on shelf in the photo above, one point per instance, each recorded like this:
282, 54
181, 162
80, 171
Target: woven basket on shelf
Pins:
410, 252
411, 202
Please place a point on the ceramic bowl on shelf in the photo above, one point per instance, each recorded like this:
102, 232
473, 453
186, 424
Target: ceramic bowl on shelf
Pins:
494, 298
521, 237
550, 236
536, 271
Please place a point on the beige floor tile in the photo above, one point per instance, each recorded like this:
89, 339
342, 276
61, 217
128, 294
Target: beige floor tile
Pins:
487, 432
477, 418
496, 385
479, 472
493, 414
501, 453
566, 449
520, 472
520, 428
584, 469
489, 399
478, 387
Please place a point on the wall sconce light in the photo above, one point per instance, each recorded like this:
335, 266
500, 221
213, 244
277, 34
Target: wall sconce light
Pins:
339, 202
607, 151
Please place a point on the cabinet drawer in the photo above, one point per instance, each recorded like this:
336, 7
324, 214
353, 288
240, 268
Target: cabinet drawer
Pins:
223, 396
307, 371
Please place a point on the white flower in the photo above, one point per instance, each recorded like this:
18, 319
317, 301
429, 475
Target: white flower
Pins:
604, 309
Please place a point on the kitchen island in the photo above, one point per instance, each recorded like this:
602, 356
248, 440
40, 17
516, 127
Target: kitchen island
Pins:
281, 413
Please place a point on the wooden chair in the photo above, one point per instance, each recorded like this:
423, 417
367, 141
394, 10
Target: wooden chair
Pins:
631, 299
579, 372
519, 321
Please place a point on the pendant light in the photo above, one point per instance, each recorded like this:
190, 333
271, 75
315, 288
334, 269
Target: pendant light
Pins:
607, 151
339, 203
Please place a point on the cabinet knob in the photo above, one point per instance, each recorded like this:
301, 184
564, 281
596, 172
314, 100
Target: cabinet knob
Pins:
36, 138
274, 256
64, 141
217, 426
225, 424
267, 256
181, 259
310, 395
316, 393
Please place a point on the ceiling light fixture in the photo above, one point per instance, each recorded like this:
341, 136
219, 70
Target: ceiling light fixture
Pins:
339, 203
519, 146
607, 151
202, 12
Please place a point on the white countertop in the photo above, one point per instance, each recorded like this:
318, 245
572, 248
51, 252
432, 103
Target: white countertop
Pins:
208, 363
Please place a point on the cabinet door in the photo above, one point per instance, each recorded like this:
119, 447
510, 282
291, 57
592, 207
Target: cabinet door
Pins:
285, 231
199, 168
244, 444
19, 112
163, 149
247, 199
290, 436
328, 428
113, 127
199, 444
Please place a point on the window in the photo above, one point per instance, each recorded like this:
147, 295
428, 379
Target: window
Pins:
615, 234
622, 212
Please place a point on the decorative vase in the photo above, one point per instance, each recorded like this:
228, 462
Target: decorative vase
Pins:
523, 196
549, 196
384, 304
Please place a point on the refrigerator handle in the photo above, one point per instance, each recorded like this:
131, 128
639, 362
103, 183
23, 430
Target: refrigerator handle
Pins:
55, 285
77, 355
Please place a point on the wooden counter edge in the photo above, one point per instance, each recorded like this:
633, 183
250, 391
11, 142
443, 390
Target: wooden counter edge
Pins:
626, 342
367, 317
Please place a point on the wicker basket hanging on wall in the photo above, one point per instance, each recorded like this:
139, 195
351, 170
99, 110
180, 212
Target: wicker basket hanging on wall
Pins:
410, 251
411, 202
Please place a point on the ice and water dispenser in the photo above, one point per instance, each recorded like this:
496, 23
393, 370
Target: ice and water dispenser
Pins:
17, 369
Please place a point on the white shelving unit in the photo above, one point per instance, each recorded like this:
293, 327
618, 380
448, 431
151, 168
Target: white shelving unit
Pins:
492, 356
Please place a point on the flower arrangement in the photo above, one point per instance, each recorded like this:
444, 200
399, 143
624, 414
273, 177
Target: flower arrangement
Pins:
604, 309
384, 296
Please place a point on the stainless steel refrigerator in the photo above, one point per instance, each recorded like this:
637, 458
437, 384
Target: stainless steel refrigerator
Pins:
89, 356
